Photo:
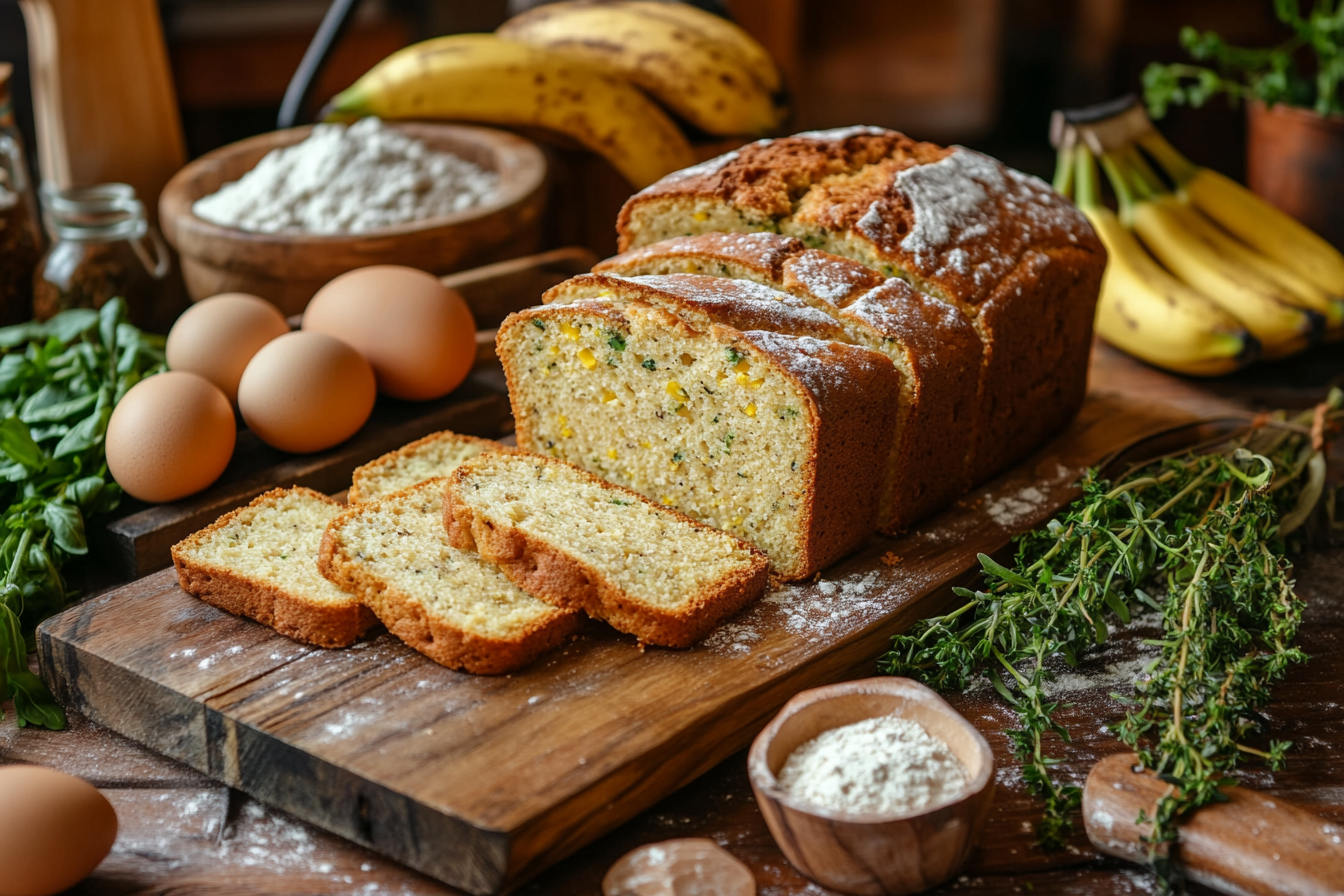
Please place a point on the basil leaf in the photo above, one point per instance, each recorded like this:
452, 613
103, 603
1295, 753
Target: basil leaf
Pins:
109, 316
33, 703
67, 527
58, 411
16, 442
86, 434
14, 370
70, 325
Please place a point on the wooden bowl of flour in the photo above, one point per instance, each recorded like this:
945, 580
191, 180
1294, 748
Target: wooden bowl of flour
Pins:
287, 268
872, 854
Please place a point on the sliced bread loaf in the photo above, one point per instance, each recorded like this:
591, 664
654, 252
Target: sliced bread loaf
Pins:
579, 542
779, 439
1019, 260
930, 341
437, 454
260, 561
452, 606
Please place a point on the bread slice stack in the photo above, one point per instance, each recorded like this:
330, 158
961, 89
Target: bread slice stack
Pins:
393, 554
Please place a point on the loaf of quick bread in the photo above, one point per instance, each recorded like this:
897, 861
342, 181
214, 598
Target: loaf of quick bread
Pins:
738, 405
1015, 258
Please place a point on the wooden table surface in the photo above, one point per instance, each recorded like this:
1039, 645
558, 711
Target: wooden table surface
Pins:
183, 833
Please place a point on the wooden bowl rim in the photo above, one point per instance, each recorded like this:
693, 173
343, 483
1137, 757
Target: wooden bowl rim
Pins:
530, 171
758, 766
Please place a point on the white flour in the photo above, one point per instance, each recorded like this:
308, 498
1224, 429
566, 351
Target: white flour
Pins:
348, 180
886, 765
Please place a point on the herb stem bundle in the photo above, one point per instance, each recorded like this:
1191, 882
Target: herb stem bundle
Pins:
1213, 547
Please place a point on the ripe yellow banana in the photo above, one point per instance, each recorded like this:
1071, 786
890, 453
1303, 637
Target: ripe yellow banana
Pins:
1145, 311
478, 77
1299, 290
693, 76
1250, 218
1281, 328
722, 32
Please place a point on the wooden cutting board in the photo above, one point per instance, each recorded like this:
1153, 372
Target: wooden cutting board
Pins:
482, 782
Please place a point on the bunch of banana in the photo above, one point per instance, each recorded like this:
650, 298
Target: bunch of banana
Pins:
705, 69
1203, 275
587, 69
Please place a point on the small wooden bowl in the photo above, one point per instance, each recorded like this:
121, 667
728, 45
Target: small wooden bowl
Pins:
287, 268
860, 853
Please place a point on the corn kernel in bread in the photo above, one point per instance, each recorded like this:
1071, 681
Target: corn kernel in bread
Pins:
1016, 258
582, 543
452, 606
778, 439
260, 561
437, 454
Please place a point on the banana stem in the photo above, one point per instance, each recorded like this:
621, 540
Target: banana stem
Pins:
1086, 193
1177, 167
1063, 182
1140, 169
1124, 191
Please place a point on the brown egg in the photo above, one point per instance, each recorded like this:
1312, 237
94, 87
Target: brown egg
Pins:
217, 336
306, 392
54, 829
170, 436
418, 334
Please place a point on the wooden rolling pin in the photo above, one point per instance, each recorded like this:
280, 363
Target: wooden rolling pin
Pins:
1252, 844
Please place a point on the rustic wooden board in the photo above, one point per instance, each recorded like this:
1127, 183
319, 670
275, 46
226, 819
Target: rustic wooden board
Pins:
136, 543
483, 782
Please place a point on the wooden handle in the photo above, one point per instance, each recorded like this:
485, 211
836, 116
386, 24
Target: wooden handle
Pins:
1252, 844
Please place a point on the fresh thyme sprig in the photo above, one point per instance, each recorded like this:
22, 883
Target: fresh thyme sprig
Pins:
1205, 531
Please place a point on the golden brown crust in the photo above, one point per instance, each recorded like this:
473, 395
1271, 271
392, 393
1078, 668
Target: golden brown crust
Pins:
935, 343
853, 393
768, 176
289, 614
355, 495
819, 278
1037, 327
406, 617
702, 300
548, 572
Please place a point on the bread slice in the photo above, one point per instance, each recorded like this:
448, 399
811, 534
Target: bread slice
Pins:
780, 439
260, 561
579, 542
931, 342
437, 454
452, 606
1016, 258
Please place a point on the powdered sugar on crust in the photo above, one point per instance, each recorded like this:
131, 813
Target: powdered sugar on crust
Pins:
827, 277
858, 130
707, 167
743, 304
897, 310
826, 369
973, 218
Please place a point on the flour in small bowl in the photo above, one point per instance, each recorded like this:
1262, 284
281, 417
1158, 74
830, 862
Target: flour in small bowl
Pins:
348, 180
884, 766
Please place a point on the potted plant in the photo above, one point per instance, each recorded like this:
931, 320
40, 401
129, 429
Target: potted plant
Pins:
1295, 107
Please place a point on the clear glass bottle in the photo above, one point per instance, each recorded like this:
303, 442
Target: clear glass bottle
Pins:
20, 237
101, 247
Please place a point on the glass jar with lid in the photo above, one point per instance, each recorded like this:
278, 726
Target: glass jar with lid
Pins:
20, 238
101, 247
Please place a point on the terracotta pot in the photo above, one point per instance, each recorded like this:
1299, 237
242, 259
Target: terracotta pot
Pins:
1295, 159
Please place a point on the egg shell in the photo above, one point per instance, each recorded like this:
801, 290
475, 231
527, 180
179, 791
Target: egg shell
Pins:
170, 436
418, 334
217, 336
54, 830
306, 391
